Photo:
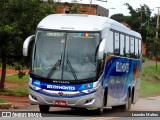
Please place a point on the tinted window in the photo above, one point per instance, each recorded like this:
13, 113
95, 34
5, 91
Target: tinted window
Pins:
140, 47
132, 47
122, 47
136, 48
127, 46
110, 43
116, 50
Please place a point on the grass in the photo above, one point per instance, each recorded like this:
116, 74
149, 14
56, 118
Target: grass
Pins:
8, 67
150, 81
15, 79
19, 91
2, 100
3, 104
144, 58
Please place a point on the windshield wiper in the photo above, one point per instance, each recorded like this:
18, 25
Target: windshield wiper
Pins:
58, 63
71, 68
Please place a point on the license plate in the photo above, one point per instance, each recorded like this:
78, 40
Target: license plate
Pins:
60, 103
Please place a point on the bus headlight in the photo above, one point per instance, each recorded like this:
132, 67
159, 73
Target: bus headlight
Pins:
88, 90
34, 87
30, 80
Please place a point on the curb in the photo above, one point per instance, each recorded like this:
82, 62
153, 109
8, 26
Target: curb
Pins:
5, 105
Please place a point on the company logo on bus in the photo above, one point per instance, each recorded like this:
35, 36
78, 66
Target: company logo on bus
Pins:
61, 87
122, 67
60, 93
83, 35
88, 86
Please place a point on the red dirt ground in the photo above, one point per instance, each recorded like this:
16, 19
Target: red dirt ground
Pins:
13, 71
16, 102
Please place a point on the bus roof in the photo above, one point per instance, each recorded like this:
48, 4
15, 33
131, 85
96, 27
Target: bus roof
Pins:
81, 22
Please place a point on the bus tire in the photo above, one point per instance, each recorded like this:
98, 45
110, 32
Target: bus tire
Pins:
127, 106
116, 108
44, 108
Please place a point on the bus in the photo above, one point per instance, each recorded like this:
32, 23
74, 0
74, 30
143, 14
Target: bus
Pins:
83, 61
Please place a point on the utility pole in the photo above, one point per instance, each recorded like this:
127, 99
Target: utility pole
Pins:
90, 7
157, 26
89, 12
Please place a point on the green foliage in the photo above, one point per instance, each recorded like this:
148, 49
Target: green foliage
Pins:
2, 101
150, 81
154, 46
19, 68
120, 18
19, 91
16, 79
18, 20
138, 20
145, 58
150, 32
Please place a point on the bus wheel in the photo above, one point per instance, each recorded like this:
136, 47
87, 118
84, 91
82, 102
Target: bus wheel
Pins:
99, 111
127, 106
44, 108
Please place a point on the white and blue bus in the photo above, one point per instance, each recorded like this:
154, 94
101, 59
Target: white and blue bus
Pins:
84, 61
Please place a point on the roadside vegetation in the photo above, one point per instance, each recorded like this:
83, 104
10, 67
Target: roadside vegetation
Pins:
2, 100
19, 91
21, 85
145, 59
15, 79
150, 81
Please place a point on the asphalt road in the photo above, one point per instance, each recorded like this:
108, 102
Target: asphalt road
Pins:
150, 105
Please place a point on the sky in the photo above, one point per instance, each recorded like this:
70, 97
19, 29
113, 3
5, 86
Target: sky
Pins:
121, 8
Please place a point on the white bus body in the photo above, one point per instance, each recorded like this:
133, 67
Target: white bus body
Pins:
96, 63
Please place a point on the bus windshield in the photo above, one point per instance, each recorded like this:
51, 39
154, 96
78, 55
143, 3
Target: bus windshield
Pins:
65, 56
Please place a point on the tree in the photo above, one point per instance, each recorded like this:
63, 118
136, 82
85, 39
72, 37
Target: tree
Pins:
74, 7
120, 18
154, 47
18, 19
141, 21
137, 19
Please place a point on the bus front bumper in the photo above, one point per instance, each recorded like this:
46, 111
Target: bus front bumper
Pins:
89, 100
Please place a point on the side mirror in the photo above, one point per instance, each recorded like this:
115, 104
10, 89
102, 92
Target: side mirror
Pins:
26, 44
101, 49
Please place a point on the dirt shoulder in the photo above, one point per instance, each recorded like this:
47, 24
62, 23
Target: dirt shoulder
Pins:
148, 63
15, 101
11, 71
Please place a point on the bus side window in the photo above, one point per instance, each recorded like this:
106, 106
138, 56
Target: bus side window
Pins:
132, 55
116, 41
136, 48
110, 43
139, 50
127, 51
122, 46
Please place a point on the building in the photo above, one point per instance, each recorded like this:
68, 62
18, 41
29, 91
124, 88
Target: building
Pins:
77, 8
